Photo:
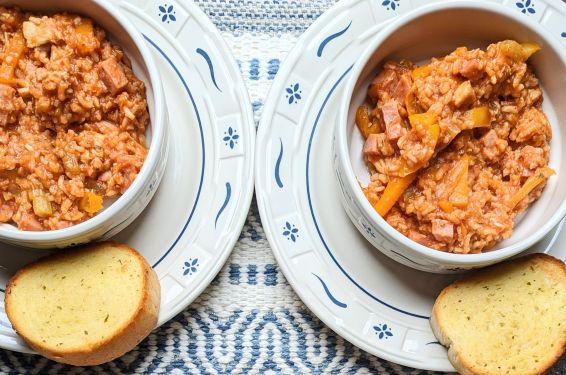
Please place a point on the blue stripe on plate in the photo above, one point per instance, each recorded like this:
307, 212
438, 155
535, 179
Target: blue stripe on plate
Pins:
188, 90
315, 125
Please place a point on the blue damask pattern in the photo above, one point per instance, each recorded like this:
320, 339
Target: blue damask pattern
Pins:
203, 341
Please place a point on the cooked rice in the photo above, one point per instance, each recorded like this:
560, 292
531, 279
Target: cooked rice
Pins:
72, 120
500, 155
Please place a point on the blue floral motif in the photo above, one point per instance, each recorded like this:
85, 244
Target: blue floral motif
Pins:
390, 4
526, 6
231, 137
563, 35
167, 13
290, 231
294, 93
190, 267
383, 331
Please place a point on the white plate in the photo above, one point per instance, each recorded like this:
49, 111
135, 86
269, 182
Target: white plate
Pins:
196, 216
370, 300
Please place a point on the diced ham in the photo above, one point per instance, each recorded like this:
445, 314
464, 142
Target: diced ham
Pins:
533, 125
443, 230
531, 158
393, 122
6, 213
524, 161
471, 69
393, 81
371, 146
62, 224
7, 95
29, 222
402, 88
38, 31
493, 146
464, 95
420, 238
106, 127
106, 176
383, 82
112, 75
377, 145
7, 98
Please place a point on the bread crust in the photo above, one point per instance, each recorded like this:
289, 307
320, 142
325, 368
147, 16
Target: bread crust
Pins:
129, 335
554, 268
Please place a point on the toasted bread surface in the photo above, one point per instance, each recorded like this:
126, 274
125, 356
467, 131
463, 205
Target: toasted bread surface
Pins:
86, 306
506, 319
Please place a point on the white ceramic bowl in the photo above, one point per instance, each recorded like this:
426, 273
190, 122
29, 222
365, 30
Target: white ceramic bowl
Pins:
436, 30
126, 208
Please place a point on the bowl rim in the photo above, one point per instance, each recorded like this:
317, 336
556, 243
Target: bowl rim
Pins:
342, 148
157, 126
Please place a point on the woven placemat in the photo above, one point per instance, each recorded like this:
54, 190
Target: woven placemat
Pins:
249, 320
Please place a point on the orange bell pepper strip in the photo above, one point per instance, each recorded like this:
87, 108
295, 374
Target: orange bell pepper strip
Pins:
91, 202
393, 191
421, 72
478, 117
540, 176
363, 123
13, 51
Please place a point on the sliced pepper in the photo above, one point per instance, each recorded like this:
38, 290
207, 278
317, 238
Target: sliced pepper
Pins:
456, 189
411, 103
540, 176
518, 51
393, 191
91, 202
84, 28
41, 205
362, 121
71, 164
461, 191
445, 205
427, 119
421, 72
13, 51
86, 41
529, 49
478, 117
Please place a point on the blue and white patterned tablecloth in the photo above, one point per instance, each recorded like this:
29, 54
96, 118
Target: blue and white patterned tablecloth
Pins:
249, 320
